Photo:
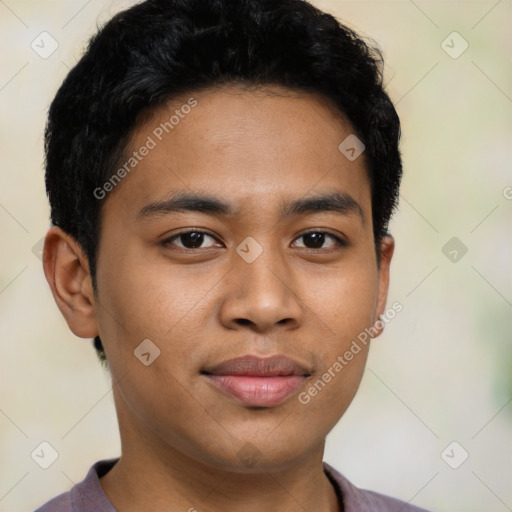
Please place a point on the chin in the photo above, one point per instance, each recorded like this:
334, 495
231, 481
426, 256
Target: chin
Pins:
257, 456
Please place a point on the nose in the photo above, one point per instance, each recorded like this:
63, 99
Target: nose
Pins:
261, 295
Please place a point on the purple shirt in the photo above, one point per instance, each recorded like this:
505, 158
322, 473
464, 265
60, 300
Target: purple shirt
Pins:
88, 495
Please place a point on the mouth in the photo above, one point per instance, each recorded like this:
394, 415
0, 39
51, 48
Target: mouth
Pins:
258, 382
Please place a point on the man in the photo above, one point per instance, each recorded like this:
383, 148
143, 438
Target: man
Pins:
221, 176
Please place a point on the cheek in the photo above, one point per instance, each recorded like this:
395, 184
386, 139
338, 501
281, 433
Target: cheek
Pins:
344, 306
344, 300
328, 395
153, 300
161, 406
169, 306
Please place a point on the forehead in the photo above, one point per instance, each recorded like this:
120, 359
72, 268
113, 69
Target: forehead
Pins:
257, 147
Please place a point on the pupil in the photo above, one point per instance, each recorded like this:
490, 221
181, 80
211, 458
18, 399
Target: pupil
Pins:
192, 239
316, 238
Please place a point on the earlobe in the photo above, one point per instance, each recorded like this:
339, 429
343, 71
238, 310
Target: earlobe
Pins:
387, 247
67, 272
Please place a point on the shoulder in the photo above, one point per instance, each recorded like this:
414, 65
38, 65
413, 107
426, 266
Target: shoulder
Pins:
61, 503
85, 496
361, 500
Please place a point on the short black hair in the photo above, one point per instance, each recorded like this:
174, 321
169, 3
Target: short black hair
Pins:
158, 49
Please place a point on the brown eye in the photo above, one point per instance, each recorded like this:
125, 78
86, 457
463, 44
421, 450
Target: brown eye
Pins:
188, 239
317, 239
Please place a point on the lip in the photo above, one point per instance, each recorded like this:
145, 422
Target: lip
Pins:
258, 382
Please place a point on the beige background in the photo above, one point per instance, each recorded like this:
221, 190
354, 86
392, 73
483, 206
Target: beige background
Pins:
442, 370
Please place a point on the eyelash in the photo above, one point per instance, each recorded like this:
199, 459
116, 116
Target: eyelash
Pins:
339, 241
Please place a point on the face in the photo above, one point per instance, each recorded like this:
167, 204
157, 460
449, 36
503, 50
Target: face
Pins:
250, 295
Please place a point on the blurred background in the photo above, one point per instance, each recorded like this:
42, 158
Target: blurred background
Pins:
432, 422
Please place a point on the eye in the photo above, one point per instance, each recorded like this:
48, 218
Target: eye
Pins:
192, 239
316, 239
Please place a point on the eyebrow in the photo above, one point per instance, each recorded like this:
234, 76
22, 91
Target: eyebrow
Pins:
337, 202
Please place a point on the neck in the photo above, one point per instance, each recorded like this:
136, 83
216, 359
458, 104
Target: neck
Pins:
147, 478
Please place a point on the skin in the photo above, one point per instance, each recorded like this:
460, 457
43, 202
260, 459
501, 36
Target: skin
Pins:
180, 436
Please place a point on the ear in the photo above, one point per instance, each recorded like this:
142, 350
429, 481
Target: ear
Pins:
67, 271
386, 248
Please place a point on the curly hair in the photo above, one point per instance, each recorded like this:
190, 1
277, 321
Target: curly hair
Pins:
148, 54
